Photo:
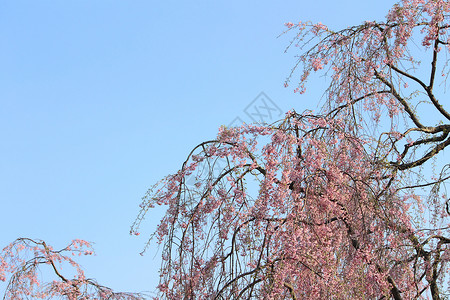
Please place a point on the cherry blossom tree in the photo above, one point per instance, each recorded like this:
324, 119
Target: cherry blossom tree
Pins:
25, 258
349, 202
346, 203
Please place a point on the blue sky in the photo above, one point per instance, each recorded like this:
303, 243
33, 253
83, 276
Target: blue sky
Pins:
101, 99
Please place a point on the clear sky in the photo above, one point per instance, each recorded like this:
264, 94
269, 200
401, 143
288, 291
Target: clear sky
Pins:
101, 99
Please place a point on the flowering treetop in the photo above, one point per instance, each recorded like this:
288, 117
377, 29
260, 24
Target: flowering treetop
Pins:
26, 258
327, 205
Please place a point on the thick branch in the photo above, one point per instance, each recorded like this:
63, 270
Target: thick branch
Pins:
291, 290
400, 99
426, 157
433, 64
